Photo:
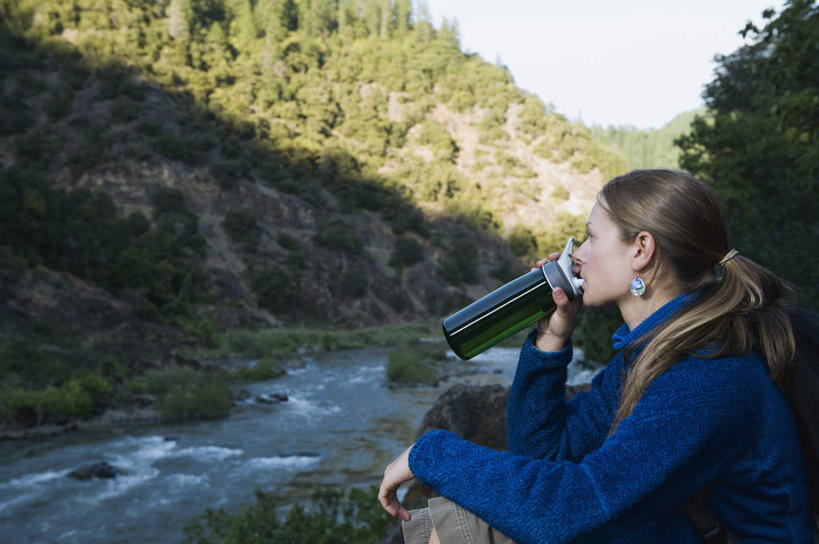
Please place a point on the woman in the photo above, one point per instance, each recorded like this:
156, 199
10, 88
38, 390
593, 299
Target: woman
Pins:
685, 404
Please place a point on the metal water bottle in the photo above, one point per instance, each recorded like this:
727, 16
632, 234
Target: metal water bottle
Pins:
511, 307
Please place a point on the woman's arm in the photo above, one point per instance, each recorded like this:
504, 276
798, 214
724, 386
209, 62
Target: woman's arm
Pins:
540, 421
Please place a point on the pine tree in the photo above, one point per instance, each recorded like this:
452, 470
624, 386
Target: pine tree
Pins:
243, 29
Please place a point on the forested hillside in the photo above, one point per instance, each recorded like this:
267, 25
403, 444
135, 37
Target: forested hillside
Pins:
651, 148
174, 169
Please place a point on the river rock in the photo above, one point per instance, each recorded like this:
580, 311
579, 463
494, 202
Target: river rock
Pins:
275, 398
474, 412
94, 470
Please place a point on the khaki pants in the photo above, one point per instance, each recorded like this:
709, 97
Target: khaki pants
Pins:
453, 524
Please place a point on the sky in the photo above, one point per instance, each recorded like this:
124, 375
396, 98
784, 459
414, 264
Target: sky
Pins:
606, 62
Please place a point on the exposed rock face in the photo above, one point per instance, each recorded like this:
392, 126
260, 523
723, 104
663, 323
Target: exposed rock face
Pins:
340, 287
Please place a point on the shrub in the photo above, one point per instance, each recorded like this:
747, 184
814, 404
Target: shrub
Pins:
407, 252
593, 332
80, 397
337, 235
242, 228
287, 241
460, 263
560, 193
266, 368
60, 104
195, 401
331, 517
353, 283
522, 241
176, 149
275, 289
124, 111
183, 393
229, 172
415, 365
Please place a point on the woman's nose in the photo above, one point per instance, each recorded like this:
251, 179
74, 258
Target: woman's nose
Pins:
579, 256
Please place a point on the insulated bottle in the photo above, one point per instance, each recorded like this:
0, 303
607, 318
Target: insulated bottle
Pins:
511, 307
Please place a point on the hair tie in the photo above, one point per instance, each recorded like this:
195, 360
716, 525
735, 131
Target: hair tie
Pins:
728, 256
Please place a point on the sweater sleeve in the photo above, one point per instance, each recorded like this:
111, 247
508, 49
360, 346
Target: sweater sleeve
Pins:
681, 434
541, 423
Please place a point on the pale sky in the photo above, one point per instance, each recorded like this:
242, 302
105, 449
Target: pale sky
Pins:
627, 62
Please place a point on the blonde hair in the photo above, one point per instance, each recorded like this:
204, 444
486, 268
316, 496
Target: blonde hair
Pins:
742, 305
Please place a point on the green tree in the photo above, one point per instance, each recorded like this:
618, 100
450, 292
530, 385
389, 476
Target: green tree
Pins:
759, 146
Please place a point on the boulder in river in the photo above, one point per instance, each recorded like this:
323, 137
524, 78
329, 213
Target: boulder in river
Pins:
275, 398
94, 470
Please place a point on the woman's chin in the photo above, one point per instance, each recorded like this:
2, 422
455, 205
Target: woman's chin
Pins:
589, 300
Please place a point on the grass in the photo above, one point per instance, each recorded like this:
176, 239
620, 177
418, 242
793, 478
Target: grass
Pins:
417, 364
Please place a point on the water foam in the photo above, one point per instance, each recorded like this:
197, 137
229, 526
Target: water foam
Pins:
294, 462
33, 479
307, 407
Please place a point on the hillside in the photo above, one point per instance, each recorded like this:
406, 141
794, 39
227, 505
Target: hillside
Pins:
653, 148
173, 170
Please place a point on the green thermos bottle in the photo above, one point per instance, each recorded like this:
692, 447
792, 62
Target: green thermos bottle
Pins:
511, 307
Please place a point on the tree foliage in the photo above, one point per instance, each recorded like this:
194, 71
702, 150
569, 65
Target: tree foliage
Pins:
759, 144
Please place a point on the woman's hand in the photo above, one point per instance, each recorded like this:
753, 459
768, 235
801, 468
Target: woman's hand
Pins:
553, 332
395, 474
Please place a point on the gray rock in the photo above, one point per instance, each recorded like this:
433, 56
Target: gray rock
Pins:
94, 470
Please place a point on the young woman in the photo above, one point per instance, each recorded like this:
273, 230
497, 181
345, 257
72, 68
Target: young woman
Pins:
688, 403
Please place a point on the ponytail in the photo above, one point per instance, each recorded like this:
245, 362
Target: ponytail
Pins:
740, 312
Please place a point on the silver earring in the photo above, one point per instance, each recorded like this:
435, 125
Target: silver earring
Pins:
637, 287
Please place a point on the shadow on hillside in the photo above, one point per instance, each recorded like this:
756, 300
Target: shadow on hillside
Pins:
97, 115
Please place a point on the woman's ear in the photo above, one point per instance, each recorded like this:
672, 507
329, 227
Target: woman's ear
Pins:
643, 249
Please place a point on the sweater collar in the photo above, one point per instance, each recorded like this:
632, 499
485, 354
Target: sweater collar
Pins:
624, 337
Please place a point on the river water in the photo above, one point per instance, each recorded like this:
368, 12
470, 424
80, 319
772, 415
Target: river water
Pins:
340, 426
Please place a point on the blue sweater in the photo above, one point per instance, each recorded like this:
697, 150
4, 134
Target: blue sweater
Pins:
715, 422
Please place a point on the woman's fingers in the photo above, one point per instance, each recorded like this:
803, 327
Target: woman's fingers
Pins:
395, 474
541, 262
389, 501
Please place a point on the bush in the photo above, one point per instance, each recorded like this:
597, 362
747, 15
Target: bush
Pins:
593, 332
353, 283
183, 393
195, 401
560, 193
275, 289
229, 172
522, 241
460, 264
266, 368
407, 252
287, 241
242, 228
80, 397
415, 365
124, 111
337, 235
176, 149
332, 517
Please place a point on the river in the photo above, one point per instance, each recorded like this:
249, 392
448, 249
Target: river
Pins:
340, 426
